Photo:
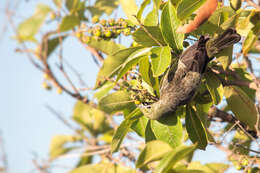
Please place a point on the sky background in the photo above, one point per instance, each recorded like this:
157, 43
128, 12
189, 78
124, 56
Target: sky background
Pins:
26, 125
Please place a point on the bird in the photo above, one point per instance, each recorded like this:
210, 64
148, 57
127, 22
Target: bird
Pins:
183, 77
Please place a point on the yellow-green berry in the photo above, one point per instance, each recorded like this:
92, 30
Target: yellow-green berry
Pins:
127, 31
111, 22
108, 33
244, 162
95, 19
59, 90
124, 24
46, 76
137, 102
46, 86
79, 34
103, 22
118, 31
97, 33
86, 39
134, 44
53, 16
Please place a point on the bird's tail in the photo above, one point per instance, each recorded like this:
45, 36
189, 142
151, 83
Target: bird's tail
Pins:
224, 40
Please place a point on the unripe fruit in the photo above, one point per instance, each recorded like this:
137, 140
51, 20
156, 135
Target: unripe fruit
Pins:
127, 31
137, 102
95, 19
108, 33
111, 22
97, 33
86, 39
244, 162
103, 22
124, 24
53, 16
46, 76
135, 44
118, 31
46, 86
59, 90
79, 34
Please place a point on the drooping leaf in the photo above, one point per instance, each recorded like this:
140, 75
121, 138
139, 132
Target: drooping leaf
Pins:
153, 151
130, 9
102, 91
195, 128
143, 38
69, 22
57, 147
169, 130
72, 5
106, 46
52, 44
215, 87
147, 75
90, 118
139, 126
103, 6
123, 129
141, 9
251, 38
241, 105
117, 101
187, 7
30, 27
149, 134
225, 57
133, 60
160, 59
170, 159
169, 25
103, 167
113, 63
151, 18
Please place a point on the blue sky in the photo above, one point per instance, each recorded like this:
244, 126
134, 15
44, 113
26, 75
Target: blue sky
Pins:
26, 124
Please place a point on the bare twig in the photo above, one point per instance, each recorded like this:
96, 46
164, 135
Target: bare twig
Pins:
4, 156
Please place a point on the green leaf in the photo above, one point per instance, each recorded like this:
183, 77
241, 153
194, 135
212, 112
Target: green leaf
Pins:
133, 60
169, 25
160, 59
57, 145
30, 27
104, 90
149, 135
141, 9
130, 9
187, 7
68, 23
103, 6
147, 75
103, 168
241, 105
117, 101
215, 87
225, 57
139, 126
175, 2
106, 46
251, 38
217, 167
141, 37
58, 3
195, 128
151, 18
124, 128
72, 5
173, 157
153, 151
113, 63
90, 118
52, 44
232, 21
169, 130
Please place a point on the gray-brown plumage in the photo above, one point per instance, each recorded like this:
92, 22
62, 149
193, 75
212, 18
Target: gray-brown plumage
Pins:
183, 78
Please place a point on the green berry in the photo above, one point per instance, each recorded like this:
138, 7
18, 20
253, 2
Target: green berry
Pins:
111, 22
79, 34
97, 33
134, 44
86, 39
120, 21
59, 90
95, 19
103, 22
108, 33
124, 24
137, 102
53, 16
244, 162
46, 86
118, 31
127, 31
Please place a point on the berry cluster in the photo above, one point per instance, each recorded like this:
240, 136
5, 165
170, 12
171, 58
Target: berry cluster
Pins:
104, 29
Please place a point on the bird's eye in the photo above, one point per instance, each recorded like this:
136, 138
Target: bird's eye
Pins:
149, 107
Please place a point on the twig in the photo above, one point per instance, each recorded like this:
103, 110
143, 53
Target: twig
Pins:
4, 157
